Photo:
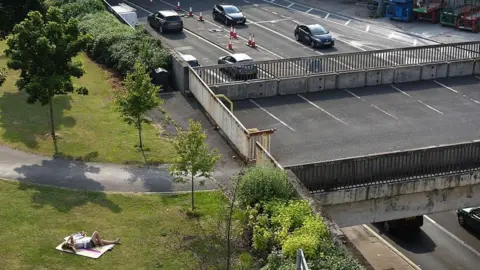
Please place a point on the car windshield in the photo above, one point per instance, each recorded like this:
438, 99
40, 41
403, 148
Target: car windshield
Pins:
231, 9
318, 30
173, 18
193, 63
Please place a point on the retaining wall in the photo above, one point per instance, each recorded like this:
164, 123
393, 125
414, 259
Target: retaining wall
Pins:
343, 80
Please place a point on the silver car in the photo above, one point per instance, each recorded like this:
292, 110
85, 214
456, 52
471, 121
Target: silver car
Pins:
245, 69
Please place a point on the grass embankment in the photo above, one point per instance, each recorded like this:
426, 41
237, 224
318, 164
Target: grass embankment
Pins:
88, 126
156, 233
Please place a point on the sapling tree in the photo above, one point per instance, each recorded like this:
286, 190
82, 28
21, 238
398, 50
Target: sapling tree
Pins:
195, 159
42, 48
138, 99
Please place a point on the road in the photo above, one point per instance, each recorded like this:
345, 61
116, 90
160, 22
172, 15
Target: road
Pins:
338, 124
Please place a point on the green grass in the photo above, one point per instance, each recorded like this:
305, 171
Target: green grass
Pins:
88, 127
155, 231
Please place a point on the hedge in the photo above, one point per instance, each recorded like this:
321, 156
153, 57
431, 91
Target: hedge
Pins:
114, 44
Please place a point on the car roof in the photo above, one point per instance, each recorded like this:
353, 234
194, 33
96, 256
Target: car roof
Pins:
469, 209
241, 56
188, 57
168, 13
227, 5
315, 26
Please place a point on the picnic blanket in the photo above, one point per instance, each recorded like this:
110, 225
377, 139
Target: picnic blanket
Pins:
93, 253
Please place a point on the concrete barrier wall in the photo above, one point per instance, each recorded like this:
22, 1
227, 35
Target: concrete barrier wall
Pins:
234, 130
347, 79
180, 72
264, 158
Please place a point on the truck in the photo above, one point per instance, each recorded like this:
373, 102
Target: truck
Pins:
470, 19
451, 14
127, 13
429, 10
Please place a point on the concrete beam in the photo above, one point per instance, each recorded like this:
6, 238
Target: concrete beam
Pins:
461, 68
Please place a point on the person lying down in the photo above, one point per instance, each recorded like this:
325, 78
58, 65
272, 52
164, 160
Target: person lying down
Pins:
86, 242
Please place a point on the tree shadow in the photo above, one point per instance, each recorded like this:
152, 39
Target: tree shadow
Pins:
64, 174
23, 122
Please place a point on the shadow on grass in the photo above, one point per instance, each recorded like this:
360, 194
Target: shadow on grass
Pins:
23, 122
66, 174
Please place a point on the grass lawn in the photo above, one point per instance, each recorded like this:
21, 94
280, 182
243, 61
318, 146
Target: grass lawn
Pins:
88, 126
156, 233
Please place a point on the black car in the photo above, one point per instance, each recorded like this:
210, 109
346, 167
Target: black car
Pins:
405, 223
228, 14
165, 20
244, 71
315, 35
469, 217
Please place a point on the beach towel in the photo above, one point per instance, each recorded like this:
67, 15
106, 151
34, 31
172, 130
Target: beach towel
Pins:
93, 253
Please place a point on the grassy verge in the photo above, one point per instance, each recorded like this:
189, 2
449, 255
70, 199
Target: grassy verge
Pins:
156, 233
88, 126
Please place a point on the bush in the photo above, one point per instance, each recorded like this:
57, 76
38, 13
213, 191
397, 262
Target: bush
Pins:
262, 184
77, 8
118, 46
3, 75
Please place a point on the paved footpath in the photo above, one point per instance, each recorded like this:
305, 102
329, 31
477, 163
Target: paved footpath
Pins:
16, 165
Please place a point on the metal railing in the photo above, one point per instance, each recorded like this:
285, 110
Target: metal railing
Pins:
389, 167
301, 262
322, 64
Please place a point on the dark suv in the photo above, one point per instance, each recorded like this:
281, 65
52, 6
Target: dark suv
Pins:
404, 223
228, 14
315, 35
165, 20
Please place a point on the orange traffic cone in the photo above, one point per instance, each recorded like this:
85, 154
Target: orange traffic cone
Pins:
249, 40
190, 13
200, 19
231, 31
252, 44
234, 34
178, 5
230, 46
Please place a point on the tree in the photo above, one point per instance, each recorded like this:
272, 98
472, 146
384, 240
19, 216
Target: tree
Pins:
3, 75
42, 48
138, 99
14, 11
194, 156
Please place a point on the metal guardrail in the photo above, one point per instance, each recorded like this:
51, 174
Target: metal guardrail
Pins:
301, 263
389, 167
322, 64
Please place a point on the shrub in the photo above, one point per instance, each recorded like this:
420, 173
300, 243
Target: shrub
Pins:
118, 46
77, 8
311, 238
262, 184
3, 75
277, 261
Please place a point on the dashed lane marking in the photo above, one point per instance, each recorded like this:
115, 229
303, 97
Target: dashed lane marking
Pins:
290, 5
374, 106
309, 10
271, 115
326, 17
477, 77
323, 110
368, 28
421, 102
455, 91
347, 22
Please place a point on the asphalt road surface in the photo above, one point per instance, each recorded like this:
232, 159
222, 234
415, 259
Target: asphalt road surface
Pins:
442, 244
336, 124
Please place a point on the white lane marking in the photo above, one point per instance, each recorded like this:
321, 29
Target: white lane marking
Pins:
347, 22
273, 116
309, 10
326, 17
455, 91
391, 35
321, 109
453, 236
443, 85
290, 5
423, 103
396, 251
248, 2
368, 28
273, 21
477, 77
362, 49
374, 106
274, 13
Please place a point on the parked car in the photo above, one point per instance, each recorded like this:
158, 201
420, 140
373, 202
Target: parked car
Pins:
469, 217
165, 20
191, 60
315, 35
228, 14
244, 71
404, 223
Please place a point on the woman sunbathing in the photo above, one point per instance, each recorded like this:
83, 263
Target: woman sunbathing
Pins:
85, 242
